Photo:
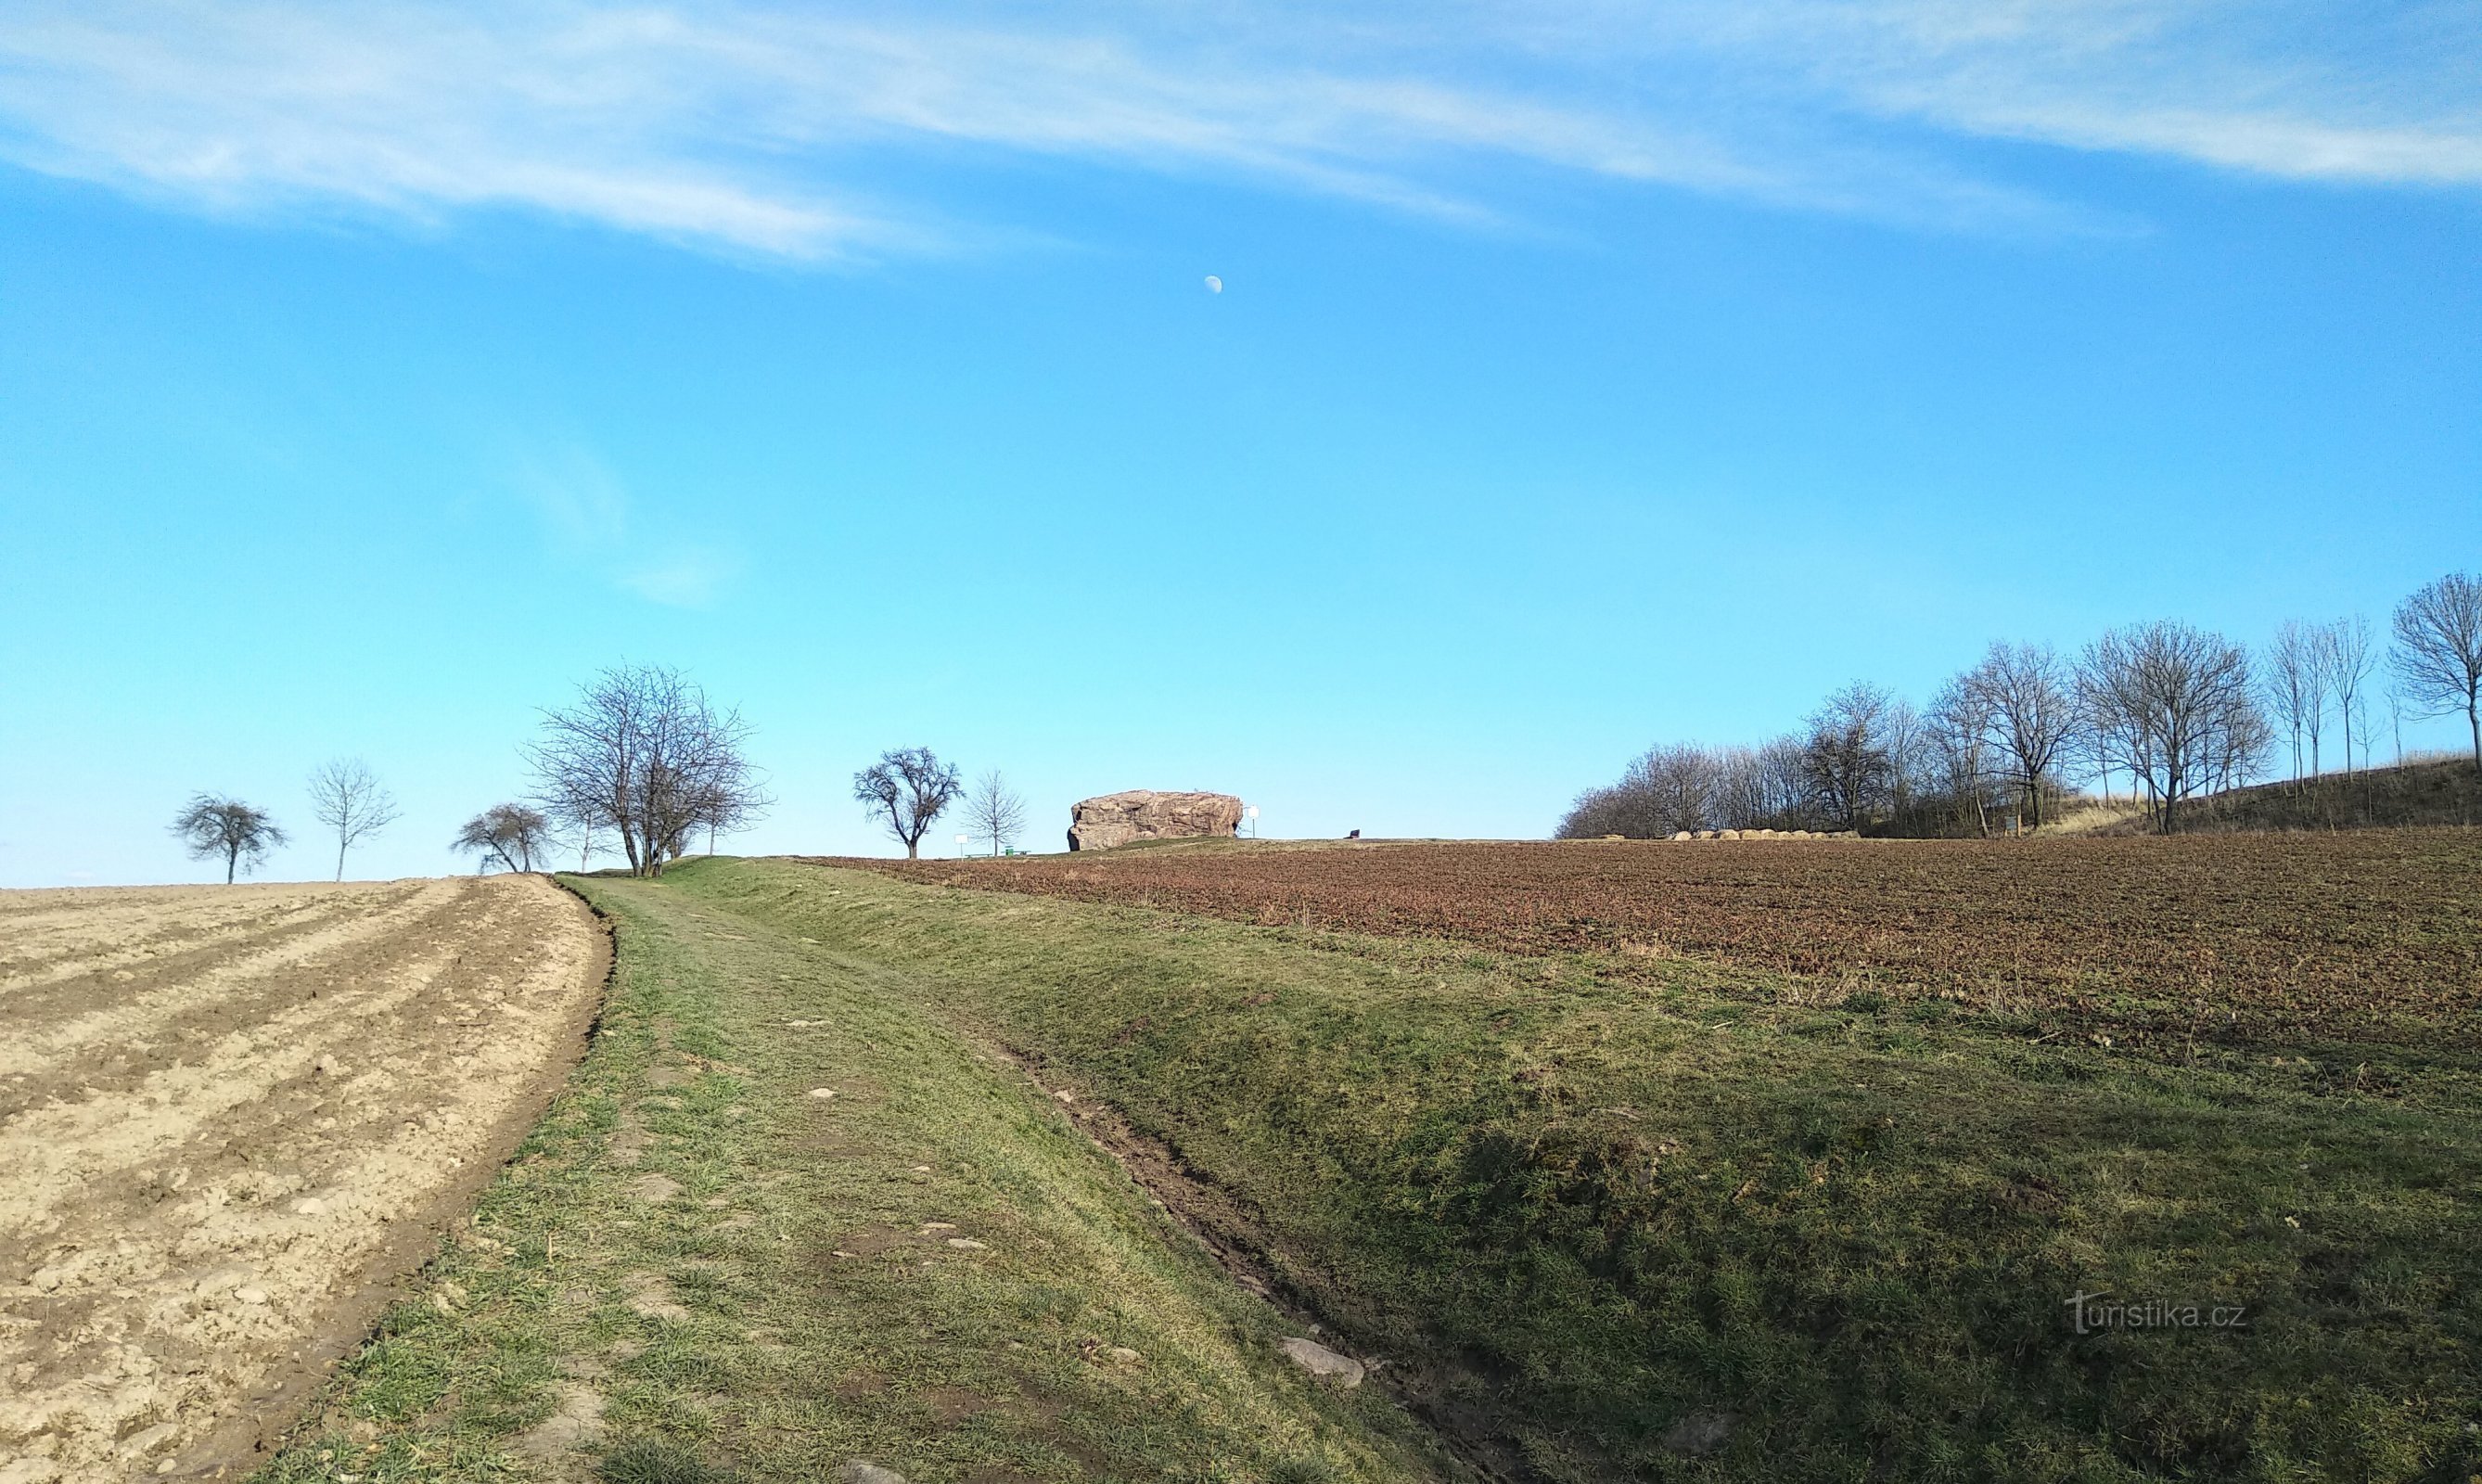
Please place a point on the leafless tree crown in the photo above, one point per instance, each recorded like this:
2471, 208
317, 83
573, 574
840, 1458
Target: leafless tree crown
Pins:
347, 798
1851, 753
2294, 686
2179, 706
1963, 720
994, 812
2438, 651
905, 790
211, 825
2026, 700
511, 835
2347, 653
643, 754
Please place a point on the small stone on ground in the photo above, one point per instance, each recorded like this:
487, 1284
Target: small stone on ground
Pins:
1320, 1361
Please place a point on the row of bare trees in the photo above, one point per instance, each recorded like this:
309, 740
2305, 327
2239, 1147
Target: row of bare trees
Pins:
908, 789
2179, 711
2310, 667
2435, 660
643, 759
344, 796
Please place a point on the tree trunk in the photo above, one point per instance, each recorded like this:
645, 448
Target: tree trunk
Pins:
913, 850
340, 858
232, 858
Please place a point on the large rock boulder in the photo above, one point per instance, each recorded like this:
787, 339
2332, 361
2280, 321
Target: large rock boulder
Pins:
1144, 814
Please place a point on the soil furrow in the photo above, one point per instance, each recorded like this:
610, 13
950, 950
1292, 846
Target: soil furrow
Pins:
185, 1246
226, 981
46, 971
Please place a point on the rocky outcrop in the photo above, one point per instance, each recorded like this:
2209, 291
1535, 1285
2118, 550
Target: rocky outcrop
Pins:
1144, 814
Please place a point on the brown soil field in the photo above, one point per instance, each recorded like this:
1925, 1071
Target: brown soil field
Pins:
230, 1118
2372, 936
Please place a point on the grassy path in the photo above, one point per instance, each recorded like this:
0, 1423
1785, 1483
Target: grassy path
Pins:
702, 1263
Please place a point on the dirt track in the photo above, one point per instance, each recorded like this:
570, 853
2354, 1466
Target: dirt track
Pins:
229, 1117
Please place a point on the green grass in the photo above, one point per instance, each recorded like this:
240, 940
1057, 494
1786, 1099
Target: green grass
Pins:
737, 1276
1587, 1211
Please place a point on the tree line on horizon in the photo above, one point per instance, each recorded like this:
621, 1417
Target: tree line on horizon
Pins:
641, 759
2180, 713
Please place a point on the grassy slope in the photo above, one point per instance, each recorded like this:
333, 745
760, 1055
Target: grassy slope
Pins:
1610, 1204
2442, 791
717, 1320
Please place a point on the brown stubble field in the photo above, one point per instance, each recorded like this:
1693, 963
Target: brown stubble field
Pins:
2372, 937
230, 1117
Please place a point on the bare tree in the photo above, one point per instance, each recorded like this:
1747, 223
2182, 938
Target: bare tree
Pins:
1847, 754
995, 812
211, 825
1910, 750
2293, 681
1745, 798
1675, 790
1592, 815
1784, 777
908, 789
346, 799
2179, 704
1963, 720
2438, 651
2031, 702
511, 834
645, 754
583, 836
2345, 659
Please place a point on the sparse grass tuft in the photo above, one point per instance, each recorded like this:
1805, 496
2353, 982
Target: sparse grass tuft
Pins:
659, 1461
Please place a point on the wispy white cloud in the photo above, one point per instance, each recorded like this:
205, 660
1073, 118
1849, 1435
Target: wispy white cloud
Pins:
781, 131
685, 578
2378, 93
585, 517
576, 496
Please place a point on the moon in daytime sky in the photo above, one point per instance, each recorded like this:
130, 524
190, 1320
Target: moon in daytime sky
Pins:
1214, 284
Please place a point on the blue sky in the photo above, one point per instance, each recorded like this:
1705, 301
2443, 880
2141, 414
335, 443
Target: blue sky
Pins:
1584, 376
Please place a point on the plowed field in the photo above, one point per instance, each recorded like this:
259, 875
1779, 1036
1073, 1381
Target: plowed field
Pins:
2375, 934
229, 1117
